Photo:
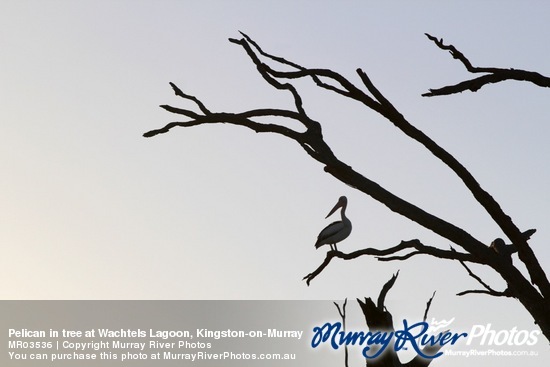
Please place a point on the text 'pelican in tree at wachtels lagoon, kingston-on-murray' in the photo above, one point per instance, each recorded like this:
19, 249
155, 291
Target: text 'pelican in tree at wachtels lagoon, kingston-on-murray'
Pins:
337, 231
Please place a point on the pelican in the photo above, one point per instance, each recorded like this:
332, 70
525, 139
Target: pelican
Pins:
337, 231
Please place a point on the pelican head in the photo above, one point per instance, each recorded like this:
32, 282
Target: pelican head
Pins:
342, 203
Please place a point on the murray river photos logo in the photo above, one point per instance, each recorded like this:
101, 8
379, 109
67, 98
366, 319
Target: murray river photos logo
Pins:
417, 336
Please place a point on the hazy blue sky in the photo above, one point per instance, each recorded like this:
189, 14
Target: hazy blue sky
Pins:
92, 210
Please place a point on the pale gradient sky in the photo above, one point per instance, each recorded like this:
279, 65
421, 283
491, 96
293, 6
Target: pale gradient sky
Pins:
92, 210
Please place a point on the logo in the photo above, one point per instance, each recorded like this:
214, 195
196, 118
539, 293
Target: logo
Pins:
415, 335
436, 325
514, 337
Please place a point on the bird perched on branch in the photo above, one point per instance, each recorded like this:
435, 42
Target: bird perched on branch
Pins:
337, 231
501, 248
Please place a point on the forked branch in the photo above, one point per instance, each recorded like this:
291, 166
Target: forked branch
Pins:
488, 290
492, 75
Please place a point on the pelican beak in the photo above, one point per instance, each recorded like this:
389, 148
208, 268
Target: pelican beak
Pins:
338, 205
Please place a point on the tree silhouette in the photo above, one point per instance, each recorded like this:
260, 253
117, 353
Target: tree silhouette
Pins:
377, 317
533, 291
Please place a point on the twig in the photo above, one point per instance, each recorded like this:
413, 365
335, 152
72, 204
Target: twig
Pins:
342, 313
428, 305
385, 289
488, 290
179, 93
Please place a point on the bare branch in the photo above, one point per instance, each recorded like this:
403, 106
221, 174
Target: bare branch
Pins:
528, 233
308, 278
315, 76
240, 119
495, 75
272, 57
263, 69
482, 291
403, 245
488, 290
342, 312
179, 93
428, 305
385, 289
426, 250
460, 56
180, 111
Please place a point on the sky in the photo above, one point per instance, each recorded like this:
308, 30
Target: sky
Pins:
92, 210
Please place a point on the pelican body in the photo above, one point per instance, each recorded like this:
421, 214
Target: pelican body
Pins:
337, 231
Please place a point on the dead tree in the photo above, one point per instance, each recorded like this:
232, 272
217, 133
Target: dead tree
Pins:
378, 317
533, 291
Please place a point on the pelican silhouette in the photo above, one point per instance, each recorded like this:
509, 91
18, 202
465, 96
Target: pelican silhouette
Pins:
337, 231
